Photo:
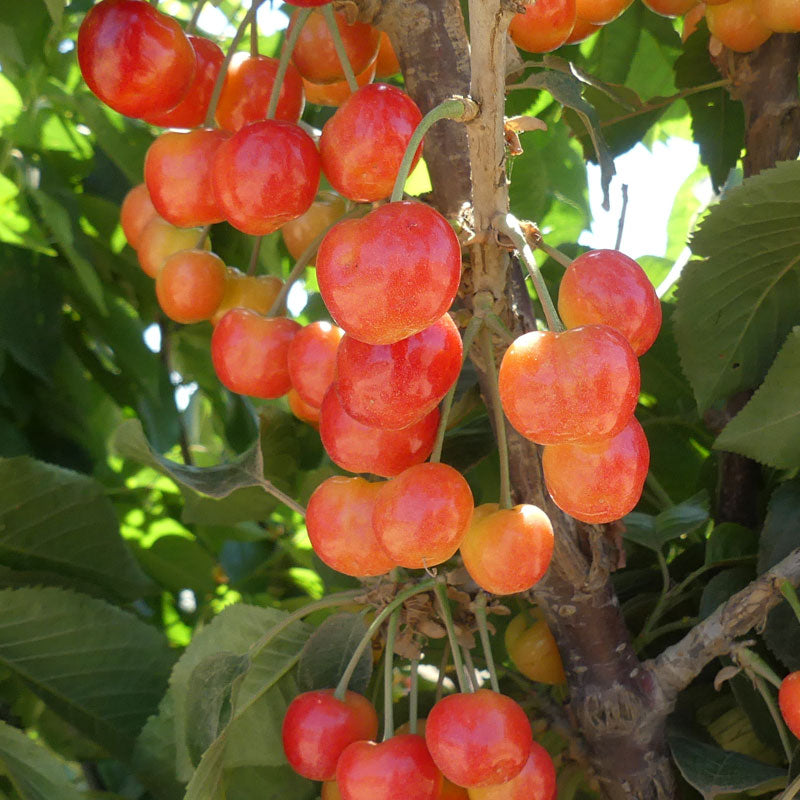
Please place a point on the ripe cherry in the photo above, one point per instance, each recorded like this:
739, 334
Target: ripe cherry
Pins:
508, 550
537, 781
137, 210
600, 12
312, 360
335, 94
302, 410
358, 448
544, 26
782, 16
134, 58
265, 175
478, 739
299, 233
581, 31
255, 292
363, 143
692, 19
789, 701
387, 63
670, 8
190, 285
533, 649
177, 171
422, 515
249, 352
605, 287
581, 385
318, 727
247, 89
737, 25
159, 240
389, 275
598, 482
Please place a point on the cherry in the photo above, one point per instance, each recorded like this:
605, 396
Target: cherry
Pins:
370, 771
247, 89
789, 702
508, 550
598, 482
363, 143
339, 523
478, 739
422, 515
394, 385
177, 171
255, 292
544, 26
137, 210
249, 352
358, 448
324, 211
389, 275
537, 781
670, 8
737, 25
581, 385
312, 360
315, 56
600, 12
265, 175
318, 727
692, 19
605, 287
782, 16
387, 63
581, 31
190, 285
191, 111
533, 649
135, 59
334, 94
302, 410
159, 240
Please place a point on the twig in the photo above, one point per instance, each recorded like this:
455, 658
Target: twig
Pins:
621, 224
192, 23
272, 489
283, 63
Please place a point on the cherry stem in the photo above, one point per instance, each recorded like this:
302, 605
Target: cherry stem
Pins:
201, 239
498, 327
788, 591
254, 38
413, 696
791, 790
283, 64
769, 701
483, 631
344, 681
447, 616
192, 23
458, 108
469, 335
469, 669
748, 660
509, 225
349, 75
499, 417
271, 488
256, 252
554, 253
442, 671
388, 675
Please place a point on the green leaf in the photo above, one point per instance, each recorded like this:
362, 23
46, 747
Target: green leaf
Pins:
177, 562
56, 10
736, 307
767, 429
268, 783
722, 587
59, 642
728, 541
154, 754
654, 532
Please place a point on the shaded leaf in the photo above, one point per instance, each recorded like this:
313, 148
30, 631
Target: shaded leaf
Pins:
730, 540
721, 587
153, 757
654, 532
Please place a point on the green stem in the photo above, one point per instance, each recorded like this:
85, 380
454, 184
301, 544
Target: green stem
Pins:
251, 268
499, 328
788, 591
791, 791
769, 700
554, 253
388, 670
349, 75
483, 631
270, 488
668, 627
201, 239
660, 605
469, 669
192, 23
442, 670
413, 697
659, 491
254, 38
286, 54
447, 616
499, 417
418, 588
747, 659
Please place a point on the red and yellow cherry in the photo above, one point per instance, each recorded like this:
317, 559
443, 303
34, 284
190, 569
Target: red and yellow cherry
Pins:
605, 287
312, 360
544, 26
782, 16
159, 240
670, 8
330, 789
265, 175
255, 292
789, 702
391, 274
134, 58
190, 285
737, 25
600, 12
335, 94
318, 727
581, 31
387, 64
363, 143
508, 550
478, 739
581, 385
394, 385
537, 781
302, 410
339, 523
191, 111
692, 19
137, 210
358, 448
598, 482
452, 792
370, 771
532, 648
314, 53
249, 353
177, 171
422, 515
299, 233
247, 89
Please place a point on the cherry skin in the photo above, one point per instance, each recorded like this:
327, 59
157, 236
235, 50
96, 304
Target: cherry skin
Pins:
598, 482
370, 771
247, 89
335, 94
391, 274
581, 31
789, 702
670, 8
537, 781
478, 739
782, 16
256, 292
177, 171
508, 550
544, 26
137, 210
387, 63
312, 360
421, 516
533, 649
302, 410
358, 448
737, 25
265, 175
159, 240
339, 523
600, 12
605, 287
191, 111
190, 285
299, 233
363, 143
692, 19
581, 385
318, 727
134, 58
249, 353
